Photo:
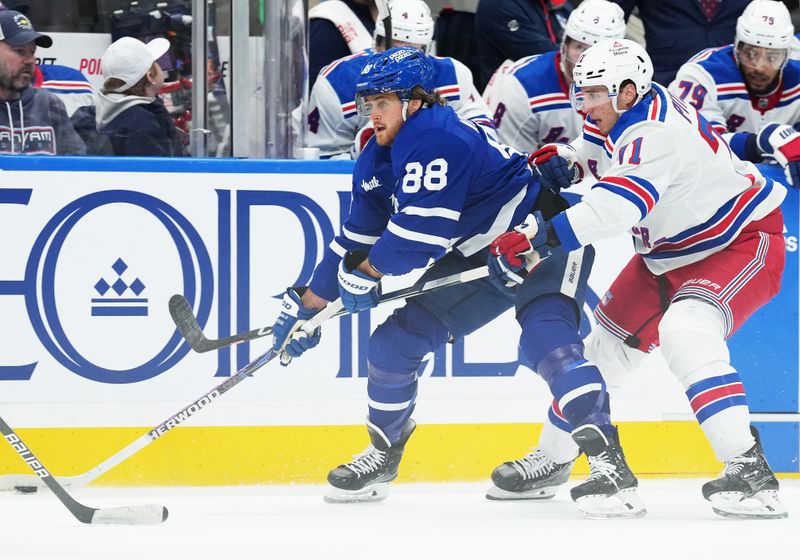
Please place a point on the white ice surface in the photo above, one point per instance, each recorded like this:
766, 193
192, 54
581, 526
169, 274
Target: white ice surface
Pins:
418, 521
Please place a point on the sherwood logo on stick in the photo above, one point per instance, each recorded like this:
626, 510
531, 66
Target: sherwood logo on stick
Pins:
183, 415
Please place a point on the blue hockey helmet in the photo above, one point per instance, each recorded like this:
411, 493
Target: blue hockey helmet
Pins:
398, 71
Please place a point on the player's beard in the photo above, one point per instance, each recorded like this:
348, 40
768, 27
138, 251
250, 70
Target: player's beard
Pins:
763, 85
387, 136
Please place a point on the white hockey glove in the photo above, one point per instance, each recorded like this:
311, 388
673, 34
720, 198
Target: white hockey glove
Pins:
782, 142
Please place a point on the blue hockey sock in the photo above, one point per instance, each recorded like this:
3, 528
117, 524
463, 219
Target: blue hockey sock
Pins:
396, 350
550, 340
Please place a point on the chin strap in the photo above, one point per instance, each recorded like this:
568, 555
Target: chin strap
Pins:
405, 111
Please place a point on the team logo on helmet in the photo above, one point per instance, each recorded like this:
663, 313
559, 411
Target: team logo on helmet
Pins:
400, 55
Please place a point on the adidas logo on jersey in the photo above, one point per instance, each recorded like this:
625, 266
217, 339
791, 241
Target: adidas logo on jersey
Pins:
371, 184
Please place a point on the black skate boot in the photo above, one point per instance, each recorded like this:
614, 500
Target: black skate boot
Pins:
747, 488
610, 490
534, 477
365, 478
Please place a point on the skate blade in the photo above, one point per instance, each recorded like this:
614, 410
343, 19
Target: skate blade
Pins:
495, 493
623, 504
372, 493
762, 505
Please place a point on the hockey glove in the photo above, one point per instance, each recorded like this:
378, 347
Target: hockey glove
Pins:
557, 164
782, 142
358, 290
287, 336
516, 253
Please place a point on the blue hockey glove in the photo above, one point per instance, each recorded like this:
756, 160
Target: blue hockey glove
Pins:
782, 142
287, 336
557, 166
515, 253
358, 290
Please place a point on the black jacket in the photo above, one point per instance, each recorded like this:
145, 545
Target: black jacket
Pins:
136, 129
513, 29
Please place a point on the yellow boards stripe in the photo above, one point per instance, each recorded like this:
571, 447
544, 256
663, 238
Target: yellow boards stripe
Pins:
305, 454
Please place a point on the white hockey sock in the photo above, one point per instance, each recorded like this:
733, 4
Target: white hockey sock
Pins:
557, 444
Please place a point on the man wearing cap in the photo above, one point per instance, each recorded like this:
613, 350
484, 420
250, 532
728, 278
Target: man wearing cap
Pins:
32, 121
129, 110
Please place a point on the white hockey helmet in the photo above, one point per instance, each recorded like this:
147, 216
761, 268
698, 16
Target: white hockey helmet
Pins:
610, 63
765, 23
411, 23
595, 20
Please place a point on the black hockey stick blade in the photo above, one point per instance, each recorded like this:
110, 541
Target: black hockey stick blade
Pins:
150, 514
187, 324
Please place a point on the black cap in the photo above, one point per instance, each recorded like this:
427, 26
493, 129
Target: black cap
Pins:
16, 29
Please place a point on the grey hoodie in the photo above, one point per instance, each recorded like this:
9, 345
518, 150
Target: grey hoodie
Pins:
37, 124
109, 105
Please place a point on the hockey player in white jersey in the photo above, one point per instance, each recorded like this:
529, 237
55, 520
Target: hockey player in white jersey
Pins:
708, 233
750, 91
529, 102
333, 124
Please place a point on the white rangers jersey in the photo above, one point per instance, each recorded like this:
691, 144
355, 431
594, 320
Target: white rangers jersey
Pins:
713, 84
333, 122
530, 104
672, 181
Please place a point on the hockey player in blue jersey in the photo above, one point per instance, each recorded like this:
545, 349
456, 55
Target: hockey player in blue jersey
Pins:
333, 124
750, 91
429, 186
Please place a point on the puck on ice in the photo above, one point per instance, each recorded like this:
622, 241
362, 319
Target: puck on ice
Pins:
26, 489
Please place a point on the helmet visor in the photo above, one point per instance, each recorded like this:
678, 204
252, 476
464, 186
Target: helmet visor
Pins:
366, 104
755, 57
584, 101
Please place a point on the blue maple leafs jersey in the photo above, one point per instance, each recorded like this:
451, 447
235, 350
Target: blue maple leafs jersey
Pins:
445, 184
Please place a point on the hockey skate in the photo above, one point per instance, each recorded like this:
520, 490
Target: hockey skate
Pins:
747, 488
610, 490
534, 477
365, 479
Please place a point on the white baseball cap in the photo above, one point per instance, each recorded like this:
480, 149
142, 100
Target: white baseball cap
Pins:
128, 60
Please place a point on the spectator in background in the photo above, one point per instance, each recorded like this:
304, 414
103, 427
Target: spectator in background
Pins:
675, 30
513, 29
129, 110
34, 121
69, 84
337, 28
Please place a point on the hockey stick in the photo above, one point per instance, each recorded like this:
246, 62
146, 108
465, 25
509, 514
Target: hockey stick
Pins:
129, 515
187, 324
29, 483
